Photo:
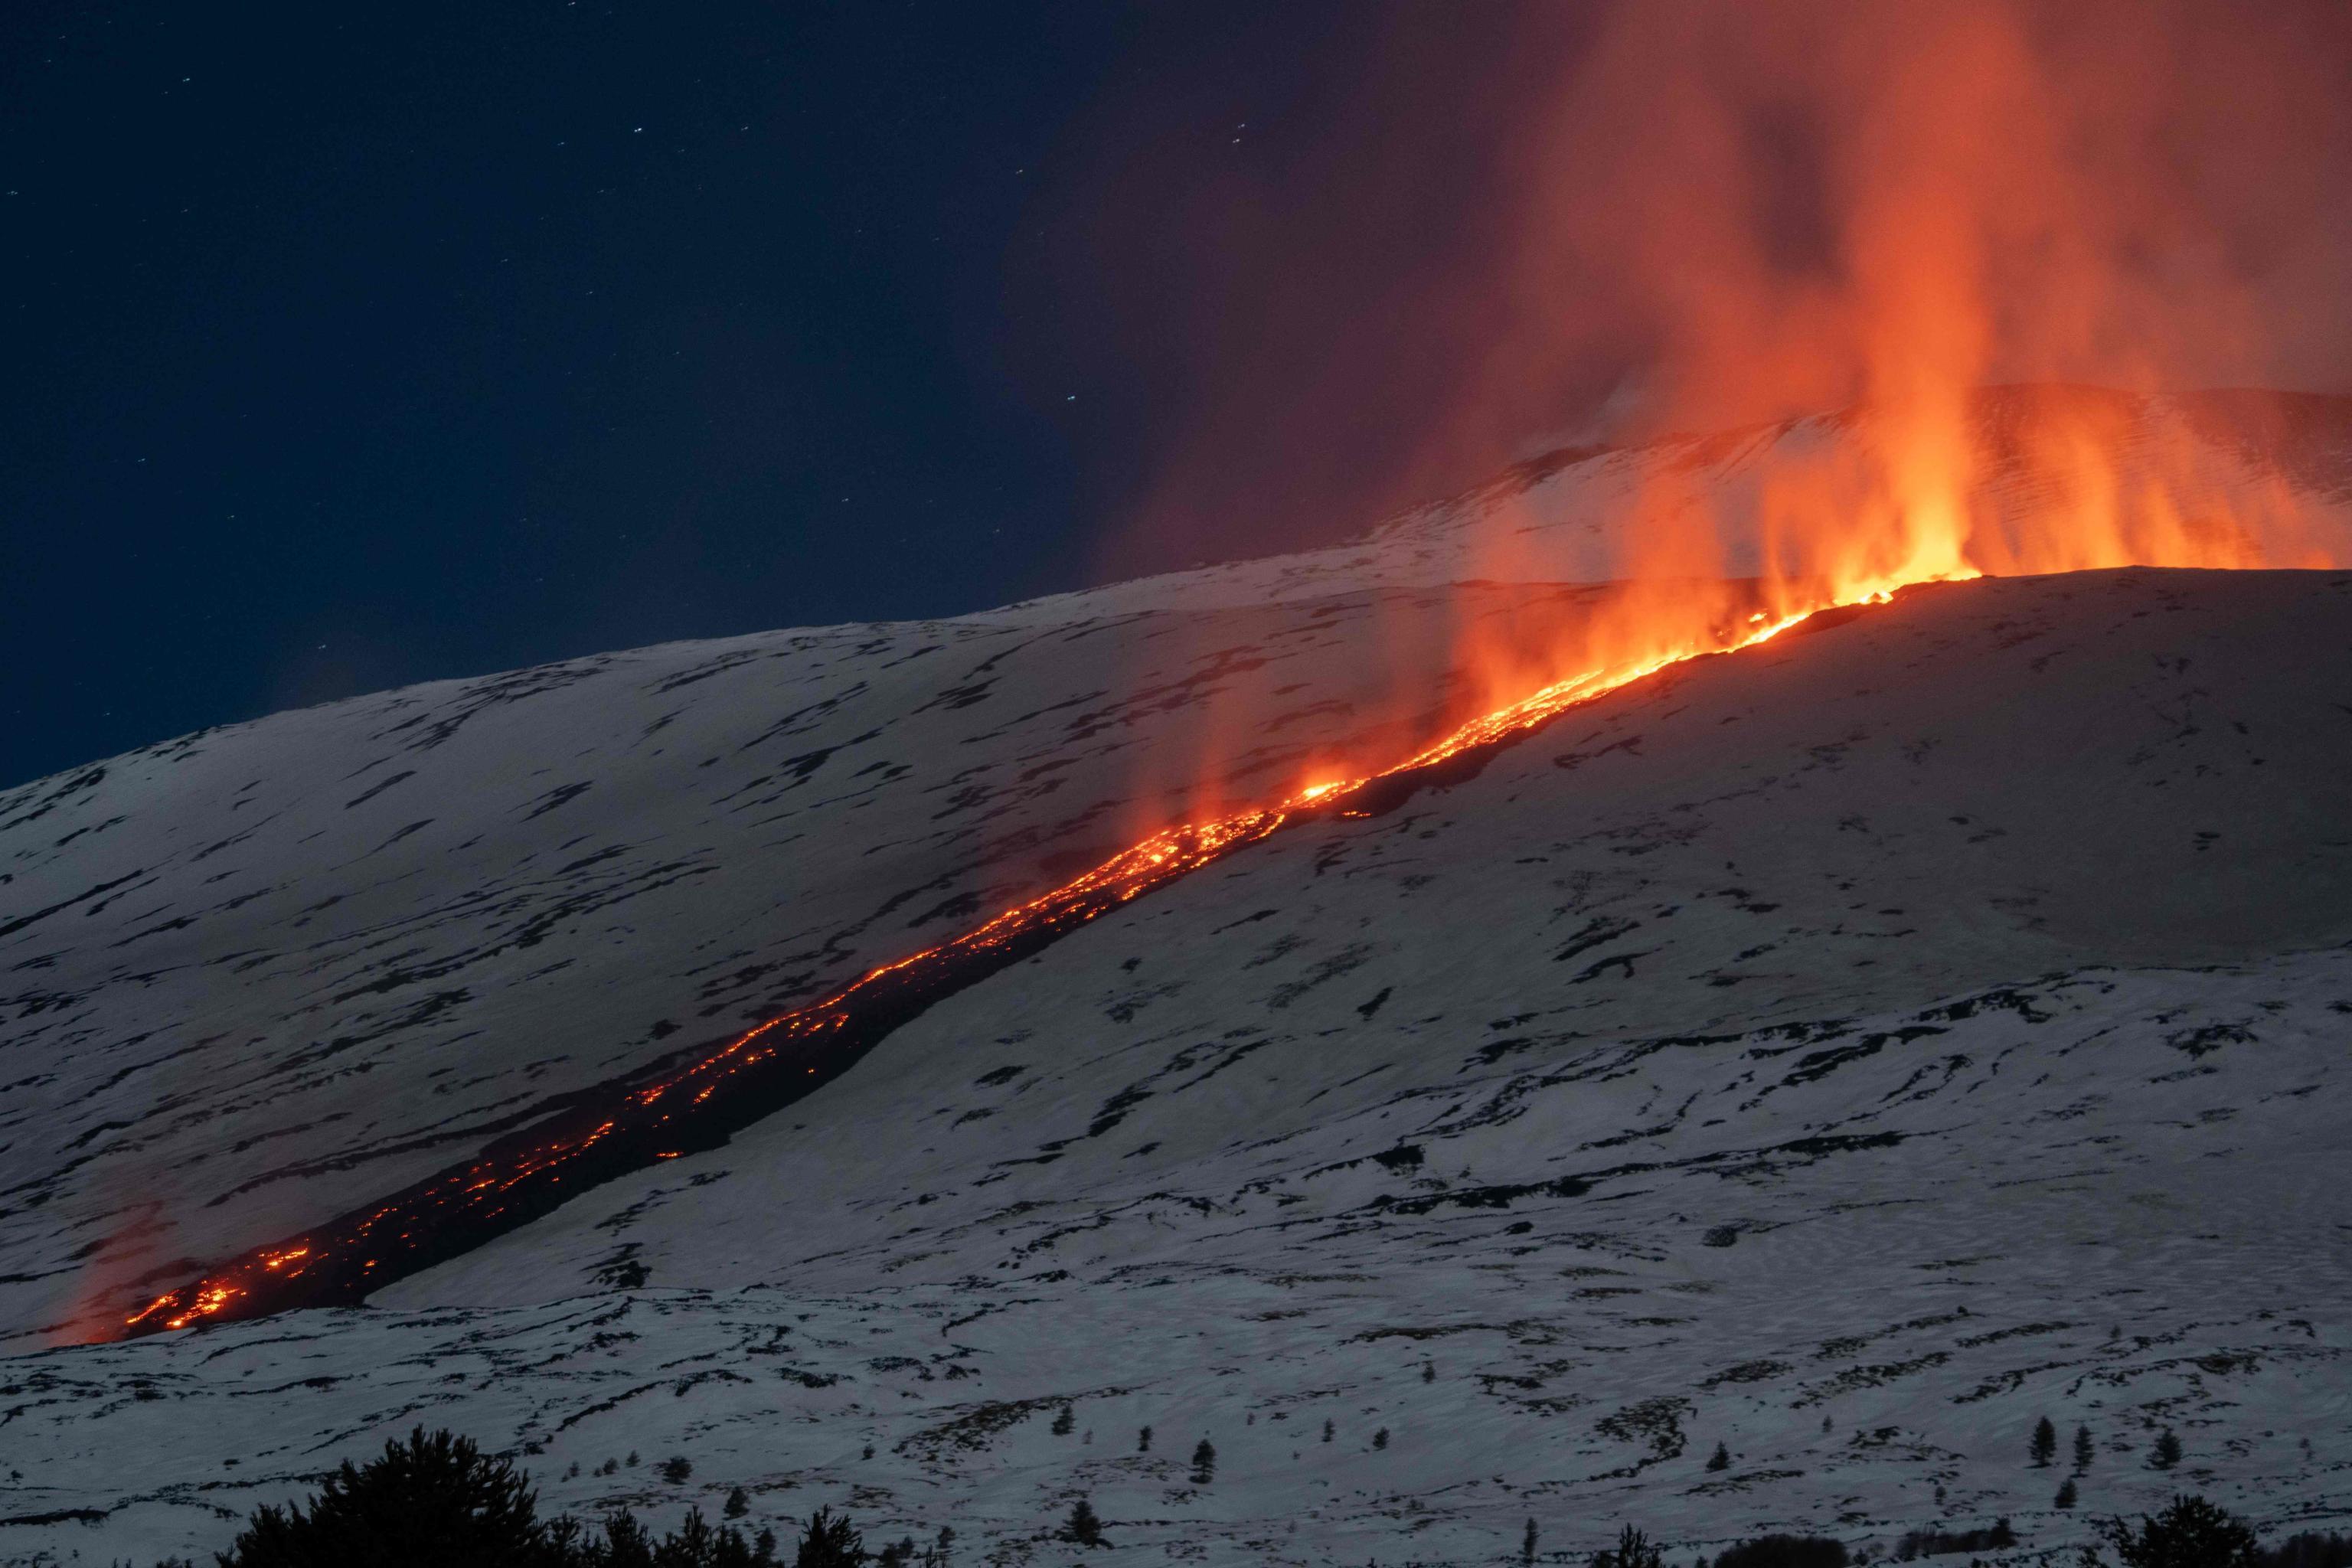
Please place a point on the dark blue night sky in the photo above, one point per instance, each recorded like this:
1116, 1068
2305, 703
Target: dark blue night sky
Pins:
354, 346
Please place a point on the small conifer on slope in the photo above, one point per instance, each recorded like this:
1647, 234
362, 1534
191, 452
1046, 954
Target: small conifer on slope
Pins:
1633, 1549
1084, 1527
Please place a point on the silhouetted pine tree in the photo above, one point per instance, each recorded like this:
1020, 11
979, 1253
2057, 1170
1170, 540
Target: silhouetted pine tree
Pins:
1064, 1420
1917, 1543
695, 1542
2310, 1549
1205, 1464
2045, 1442
2167, 1453
1083, 1528
2066, 1494
738, 1503
2191, 1533
2083, 1452
1721, 1459
1633, 1551
1528, 1543
438, 1500
1143, 1441
1785, 1552
428, 1499
626, 1544
830, 1544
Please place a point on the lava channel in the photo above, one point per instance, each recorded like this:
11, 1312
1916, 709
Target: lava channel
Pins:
611, 1132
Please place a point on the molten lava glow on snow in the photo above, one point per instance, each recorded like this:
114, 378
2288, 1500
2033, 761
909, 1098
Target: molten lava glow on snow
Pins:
490, 1184
1976, 213
1650, 627
1904, 502
1909, 528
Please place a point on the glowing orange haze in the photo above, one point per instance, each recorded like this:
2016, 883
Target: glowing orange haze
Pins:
1757, 213
1989, 198
1742, 213
1804, 206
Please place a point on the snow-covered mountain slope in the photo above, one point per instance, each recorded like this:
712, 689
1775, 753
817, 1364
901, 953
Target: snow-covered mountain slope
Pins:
1922, 1023
259, 976
2116, 1202
1826, 827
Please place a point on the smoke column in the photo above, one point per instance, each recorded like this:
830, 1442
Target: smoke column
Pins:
1515, 227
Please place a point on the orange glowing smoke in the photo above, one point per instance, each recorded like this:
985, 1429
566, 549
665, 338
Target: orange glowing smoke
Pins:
1958, 224
1771, 209
1662, 215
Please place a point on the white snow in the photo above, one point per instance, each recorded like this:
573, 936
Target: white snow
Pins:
1922, 1026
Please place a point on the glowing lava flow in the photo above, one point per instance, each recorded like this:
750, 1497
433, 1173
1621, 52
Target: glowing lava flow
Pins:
521, 1179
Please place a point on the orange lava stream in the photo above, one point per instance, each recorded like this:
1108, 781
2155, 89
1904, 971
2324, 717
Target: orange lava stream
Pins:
2001, 193
486, 1186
